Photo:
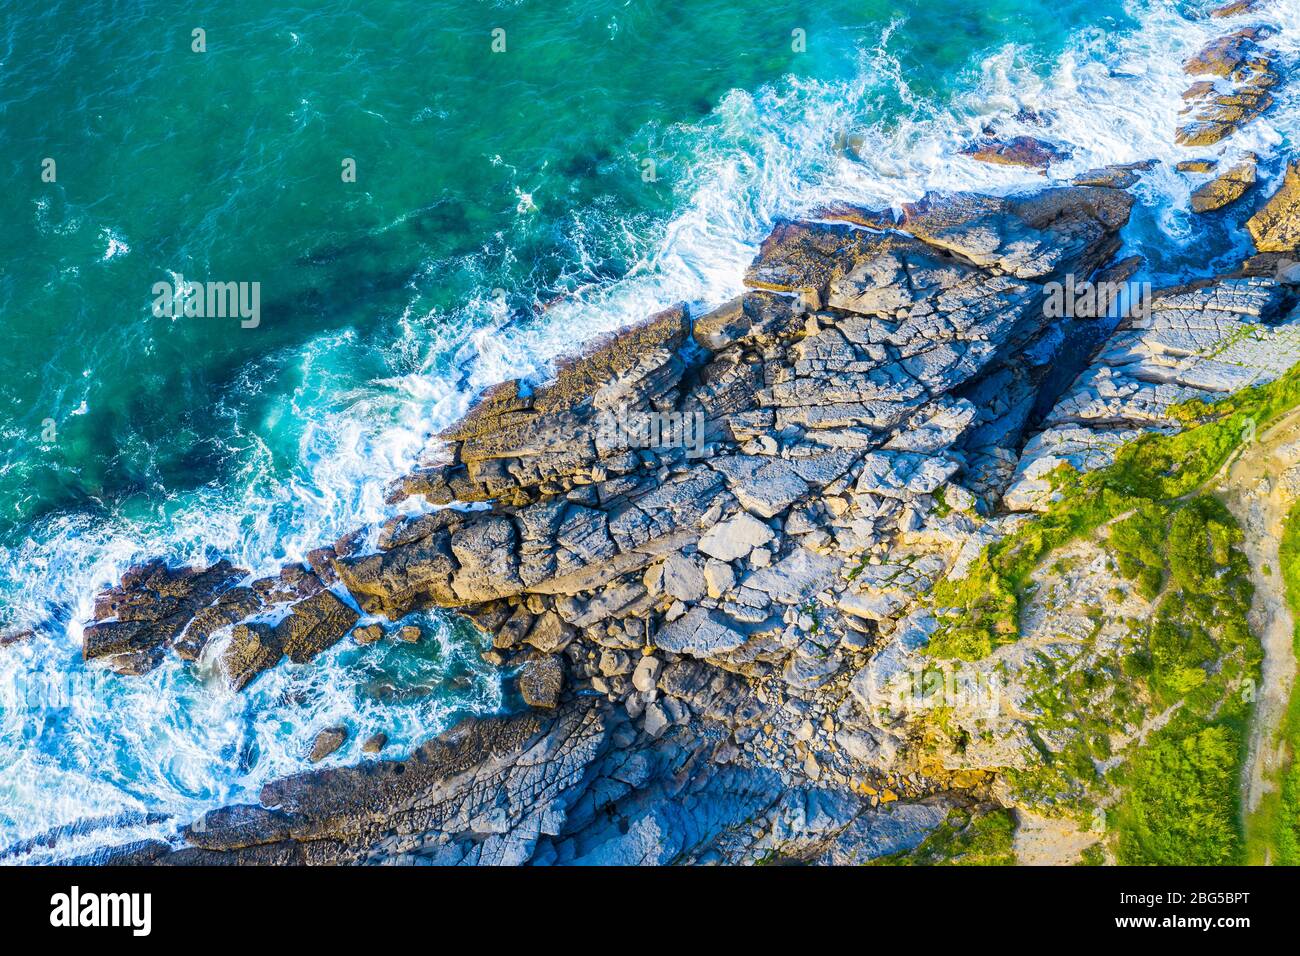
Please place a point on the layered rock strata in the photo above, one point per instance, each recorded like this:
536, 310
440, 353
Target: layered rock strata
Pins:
687, 615
703, 550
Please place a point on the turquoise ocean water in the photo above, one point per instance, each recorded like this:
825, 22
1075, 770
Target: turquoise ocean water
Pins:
501, 214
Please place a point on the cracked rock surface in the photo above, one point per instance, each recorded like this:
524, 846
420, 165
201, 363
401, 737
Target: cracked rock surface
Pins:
693, 626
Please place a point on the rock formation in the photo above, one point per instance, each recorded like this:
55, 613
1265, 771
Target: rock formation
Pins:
689, 620
1225, 188
702, 549
1239, 93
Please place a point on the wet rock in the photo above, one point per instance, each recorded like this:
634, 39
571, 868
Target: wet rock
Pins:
321, 562
1114, 177
485, 792
326, 742
10, 638
409, 634
293, 583
368, 634
1024, 151
137, 620
313, 625
252, 649
1225, 188
1236, 8
1227, 55
375, 743
1217, 112
231, 607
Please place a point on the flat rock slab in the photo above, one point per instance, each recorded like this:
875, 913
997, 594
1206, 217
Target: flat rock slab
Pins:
735, 537
1026, 151
796, 577
700, 632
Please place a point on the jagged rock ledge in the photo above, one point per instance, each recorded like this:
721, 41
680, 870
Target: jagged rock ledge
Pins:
687, 619
1202, 341
691, 626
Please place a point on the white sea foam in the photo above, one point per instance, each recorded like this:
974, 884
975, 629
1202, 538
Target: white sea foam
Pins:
177, 742
115, 244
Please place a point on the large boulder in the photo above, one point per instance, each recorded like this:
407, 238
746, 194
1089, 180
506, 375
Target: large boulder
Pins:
542, 681
1226, 188
1276, 227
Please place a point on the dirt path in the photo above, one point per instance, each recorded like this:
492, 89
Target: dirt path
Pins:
1259, 487
1044, 841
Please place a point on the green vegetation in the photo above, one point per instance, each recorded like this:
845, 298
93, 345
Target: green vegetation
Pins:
1137, 544
1092, 856
1284, 819
1287, 841
1172, 695
1178, 806
1187, 658
1153, 469
963, 839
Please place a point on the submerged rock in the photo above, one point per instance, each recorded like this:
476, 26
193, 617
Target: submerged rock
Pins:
1024, 151
9, 638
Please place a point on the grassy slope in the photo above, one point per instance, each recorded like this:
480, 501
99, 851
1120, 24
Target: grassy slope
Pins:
1179, 795
963, 839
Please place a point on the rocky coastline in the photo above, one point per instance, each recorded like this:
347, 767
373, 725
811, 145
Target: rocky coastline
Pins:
704, 632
